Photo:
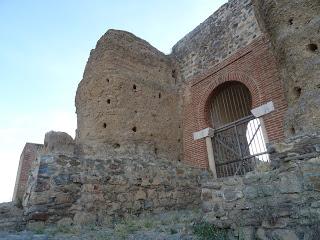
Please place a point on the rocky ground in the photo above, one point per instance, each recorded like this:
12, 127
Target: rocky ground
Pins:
169, 225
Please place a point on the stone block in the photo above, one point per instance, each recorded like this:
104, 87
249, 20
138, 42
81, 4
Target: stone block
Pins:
231, 195
315, 204
250, 192
39, 216
118, 180
140, 195
246, 233
261, 234
62, 179
65, 222
38, 198
267, 190
251, 178
206, 194
212, 185
83, 218
290, 183
62, 198
151, 193
275, 222
284, 234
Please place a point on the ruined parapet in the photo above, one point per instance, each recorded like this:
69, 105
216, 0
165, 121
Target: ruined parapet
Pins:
82, 191
28, 156
127, 101
294, 30
58, 143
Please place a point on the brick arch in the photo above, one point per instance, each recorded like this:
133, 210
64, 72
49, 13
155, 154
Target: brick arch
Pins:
202, 109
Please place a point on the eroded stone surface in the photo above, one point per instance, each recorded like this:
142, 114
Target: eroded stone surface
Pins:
11, 217
294, 30
230, 28
129, 108
58, 142
87, 190
128, 99
282, 203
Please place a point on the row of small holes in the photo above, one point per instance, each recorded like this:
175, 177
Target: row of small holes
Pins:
134, 129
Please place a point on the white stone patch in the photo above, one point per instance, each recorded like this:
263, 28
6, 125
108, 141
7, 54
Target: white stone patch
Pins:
263, 109
207, 132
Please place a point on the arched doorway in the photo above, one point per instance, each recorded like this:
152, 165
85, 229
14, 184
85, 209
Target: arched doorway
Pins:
238, 141
230, 102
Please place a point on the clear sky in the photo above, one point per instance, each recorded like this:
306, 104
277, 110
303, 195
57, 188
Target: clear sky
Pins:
44, 46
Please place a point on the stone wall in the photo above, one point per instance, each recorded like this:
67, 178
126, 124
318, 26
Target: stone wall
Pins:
69, 188
283, 203
294, 30
227, 30
28, 155
11, 217
128, 98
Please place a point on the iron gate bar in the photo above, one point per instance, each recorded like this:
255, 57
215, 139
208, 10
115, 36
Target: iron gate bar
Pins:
237, 135
247, 148
234, 144
240, 159
230, 125
226, 146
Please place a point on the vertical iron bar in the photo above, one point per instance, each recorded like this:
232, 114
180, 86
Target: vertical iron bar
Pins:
218, 102
258, 142
240, 102
212, 113
231, 107
244, 102
236, 132
235, 104
225, 107
250, 130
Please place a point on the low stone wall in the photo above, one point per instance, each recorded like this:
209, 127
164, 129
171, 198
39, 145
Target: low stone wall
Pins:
79, 190
283, 203
11, 217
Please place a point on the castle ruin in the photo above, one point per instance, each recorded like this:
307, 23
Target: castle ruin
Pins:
150, 125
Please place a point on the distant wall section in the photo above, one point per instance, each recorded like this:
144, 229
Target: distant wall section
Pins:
28, 155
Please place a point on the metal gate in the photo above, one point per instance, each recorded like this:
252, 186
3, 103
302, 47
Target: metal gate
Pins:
238, 147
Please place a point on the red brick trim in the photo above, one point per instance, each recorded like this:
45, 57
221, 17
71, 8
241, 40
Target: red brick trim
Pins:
256, 67
202, 107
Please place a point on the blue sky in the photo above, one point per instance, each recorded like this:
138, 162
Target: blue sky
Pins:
44, 46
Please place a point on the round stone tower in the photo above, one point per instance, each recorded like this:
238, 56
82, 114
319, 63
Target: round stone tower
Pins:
128, 100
